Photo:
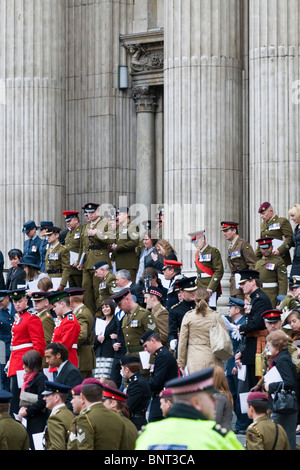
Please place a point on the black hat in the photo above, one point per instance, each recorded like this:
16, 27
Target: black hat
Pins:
5, 396
248, 275
265, 242
70, 215
28, 226
127, 360
186, 283
229, 225
90, 207
72, 291
233, 302
197, 382
118, 296
29, 260
294, 282
51, 230
44, 224
17, 294
100, 264
36, 296
153, 290
146, 336
55, 387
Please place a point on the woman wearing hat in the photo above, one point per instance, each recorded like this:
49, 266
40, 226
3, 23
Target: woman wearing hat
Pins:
33, 272
15, 275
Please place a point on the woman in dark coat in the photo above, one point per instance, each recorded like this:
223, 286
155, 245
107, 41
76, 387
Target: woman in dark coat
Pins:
277, 342
16, 274
32, 403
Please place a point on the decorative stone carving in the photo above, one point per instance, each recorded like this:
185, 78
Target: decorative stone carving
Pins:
144, 58
145, 99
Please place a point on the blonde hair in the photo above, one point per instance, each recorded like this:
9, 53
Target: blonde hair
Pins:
166, 246
201, 299
295, 211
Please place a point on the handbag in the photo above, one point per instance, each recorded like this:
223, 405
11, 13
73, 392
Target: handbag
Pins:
284, 401
220, 342
27, 398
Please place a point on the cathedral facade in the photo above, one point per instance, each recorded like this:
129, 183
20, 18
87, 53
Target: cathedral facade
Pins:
193, 104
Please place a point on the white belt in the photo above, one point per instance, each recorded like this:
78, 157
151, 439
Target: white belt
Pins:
203, 275
269, 284
21, 346
74, 346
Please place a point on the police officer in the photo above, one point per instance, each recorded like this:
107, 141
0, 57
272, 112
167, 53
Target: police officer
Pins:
107, 284
138, 390
279, 228
124, 249
209, 264
240, 255
190, 422
85, 351
164, 368
72, 243
57, 260
272, 271
136, 321
95, 242
188, 287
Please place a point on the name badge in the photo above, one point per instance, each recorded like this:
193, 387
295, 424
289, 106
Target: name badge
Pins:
235, 254
274, 226
205, 258
54, 256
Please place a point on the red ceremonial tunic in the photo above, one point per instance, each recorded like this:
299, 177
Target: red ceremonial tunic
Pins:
67, 333
27, 334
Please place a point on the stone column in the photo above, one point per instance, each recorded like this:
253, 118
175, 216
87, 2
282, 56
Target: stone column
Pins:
32, 115
203, 119
146, 103
274, 38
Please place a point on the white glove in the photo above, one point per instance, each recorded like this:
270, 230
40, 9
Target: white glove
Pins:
173, 344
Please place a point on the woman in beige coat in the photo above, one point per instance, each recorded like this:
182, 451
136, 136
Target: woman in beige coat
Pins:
194, 344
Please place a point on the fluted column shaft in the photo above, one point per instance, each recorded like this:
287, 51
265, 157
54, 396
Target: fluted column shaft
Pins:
274, 44
203, 116
32, 114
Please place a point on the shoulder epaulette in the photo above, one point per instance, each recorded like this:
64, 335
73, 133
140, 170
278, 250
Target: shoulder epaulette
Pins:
220, 430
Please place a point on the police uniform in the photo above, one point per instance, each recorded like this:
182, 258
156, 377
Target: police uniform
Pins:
240, 256
127, 241
278, 228
72, 244
12, 432
57, 260
184, 427
138, 392
164, 369
57, 430
93, 249
272, 273
67, 329
85, 352
209, 265
264, 434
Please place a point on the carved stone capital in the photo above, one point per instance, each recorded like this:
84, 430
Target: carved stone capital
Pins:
145, 99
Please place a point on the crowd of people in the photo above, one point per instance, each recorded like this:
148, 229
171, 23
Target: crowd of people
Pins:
106, 343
